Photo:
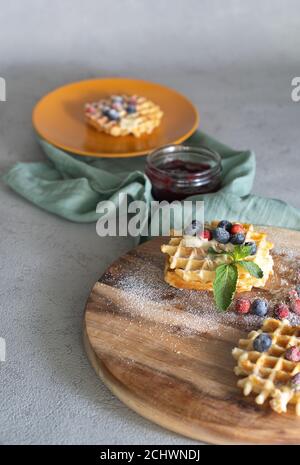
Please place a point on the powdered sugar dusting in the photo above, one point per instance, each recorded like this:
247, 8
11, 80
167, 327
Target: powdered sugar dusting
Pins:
189, 312
185, 312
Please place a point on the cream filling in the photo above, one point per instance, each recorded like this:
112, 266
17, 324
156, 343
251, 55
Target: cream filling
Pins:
205, 244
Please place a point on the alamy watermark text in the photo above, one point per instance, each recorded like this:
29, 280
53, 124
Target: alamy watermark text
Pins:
295, 94
2, 90
2, 349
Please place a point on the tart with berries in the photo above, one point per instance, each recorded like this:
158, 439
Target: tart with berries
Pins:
121, 115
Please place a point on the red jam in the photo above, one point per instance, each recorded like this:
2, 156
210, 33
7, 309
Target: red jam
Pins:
178, 167
176, 172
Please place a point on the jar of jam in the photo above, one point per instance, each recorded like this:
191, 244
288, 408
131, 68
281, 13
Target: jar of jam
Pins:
178, 171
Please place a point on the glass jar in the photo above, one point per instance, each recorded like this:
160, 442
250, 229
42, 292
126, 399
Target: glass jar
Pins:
178, 171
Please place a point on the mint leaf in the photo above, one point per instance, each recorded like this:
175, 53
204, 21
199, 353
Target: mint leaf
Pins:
252, 268
241, 251
225, 285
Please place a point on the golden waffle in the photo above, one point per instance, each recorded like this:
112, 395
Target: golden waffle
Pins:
147, 116
269, 374
192, 268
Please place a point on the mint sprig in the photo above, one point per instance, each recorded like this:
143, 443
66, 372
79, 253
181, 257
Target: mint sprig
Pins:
225, 282
241, 251
225, 285
252, 268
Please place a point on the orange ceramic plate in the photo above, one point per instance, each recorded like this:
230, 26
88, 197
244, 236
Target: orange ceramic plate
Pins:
59, 118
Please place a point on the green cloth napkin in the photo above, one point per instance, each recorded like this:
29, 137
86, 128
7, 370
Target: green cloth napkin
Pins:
71, 186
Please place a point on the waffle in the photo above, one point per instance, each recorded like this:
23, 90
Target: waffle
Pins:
143, 120
190, 267
269, 374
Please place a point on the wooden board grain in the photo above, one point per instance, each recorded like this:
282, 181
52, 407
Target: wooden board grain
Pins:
165, 354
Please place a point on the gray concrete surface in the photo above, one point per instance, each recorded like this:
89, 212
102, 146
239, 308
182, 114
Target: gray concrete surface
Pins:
236, 62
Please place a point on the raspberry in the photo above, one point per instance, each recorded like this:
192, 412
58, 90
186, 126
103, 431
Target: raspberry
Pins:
282, 311
293, 354
117, 106
242, 305
295, 382
133, 100
207, 234
237, 228
293, 294
90, 109
296, 306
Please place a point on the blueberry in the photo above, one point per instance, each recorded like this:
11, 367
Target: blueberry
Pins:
298, 289
259, 307
253, 247
113, 114
105, 110
262, 342
225, 225
117, 99
131, 109
238, 238
194, 228
221, 235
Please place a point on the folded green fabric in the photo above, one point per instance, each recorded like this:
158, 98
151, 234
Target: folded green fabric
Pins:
71, 186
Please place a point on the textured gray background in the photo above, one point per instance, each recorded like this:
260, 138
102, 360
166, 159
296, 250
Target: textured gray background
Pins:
235, 60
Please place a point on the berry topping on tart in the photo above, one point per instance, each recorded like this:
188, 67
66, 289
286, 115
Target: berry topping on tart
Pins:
242, 305
282, 311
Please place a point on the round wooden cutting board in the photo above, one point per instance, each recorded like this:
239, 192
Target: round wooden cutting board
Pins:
166, 352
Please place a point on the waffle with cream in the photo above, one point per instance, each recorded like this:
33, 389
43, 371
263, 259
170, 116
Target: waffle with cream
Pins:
190, 266
121, 115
